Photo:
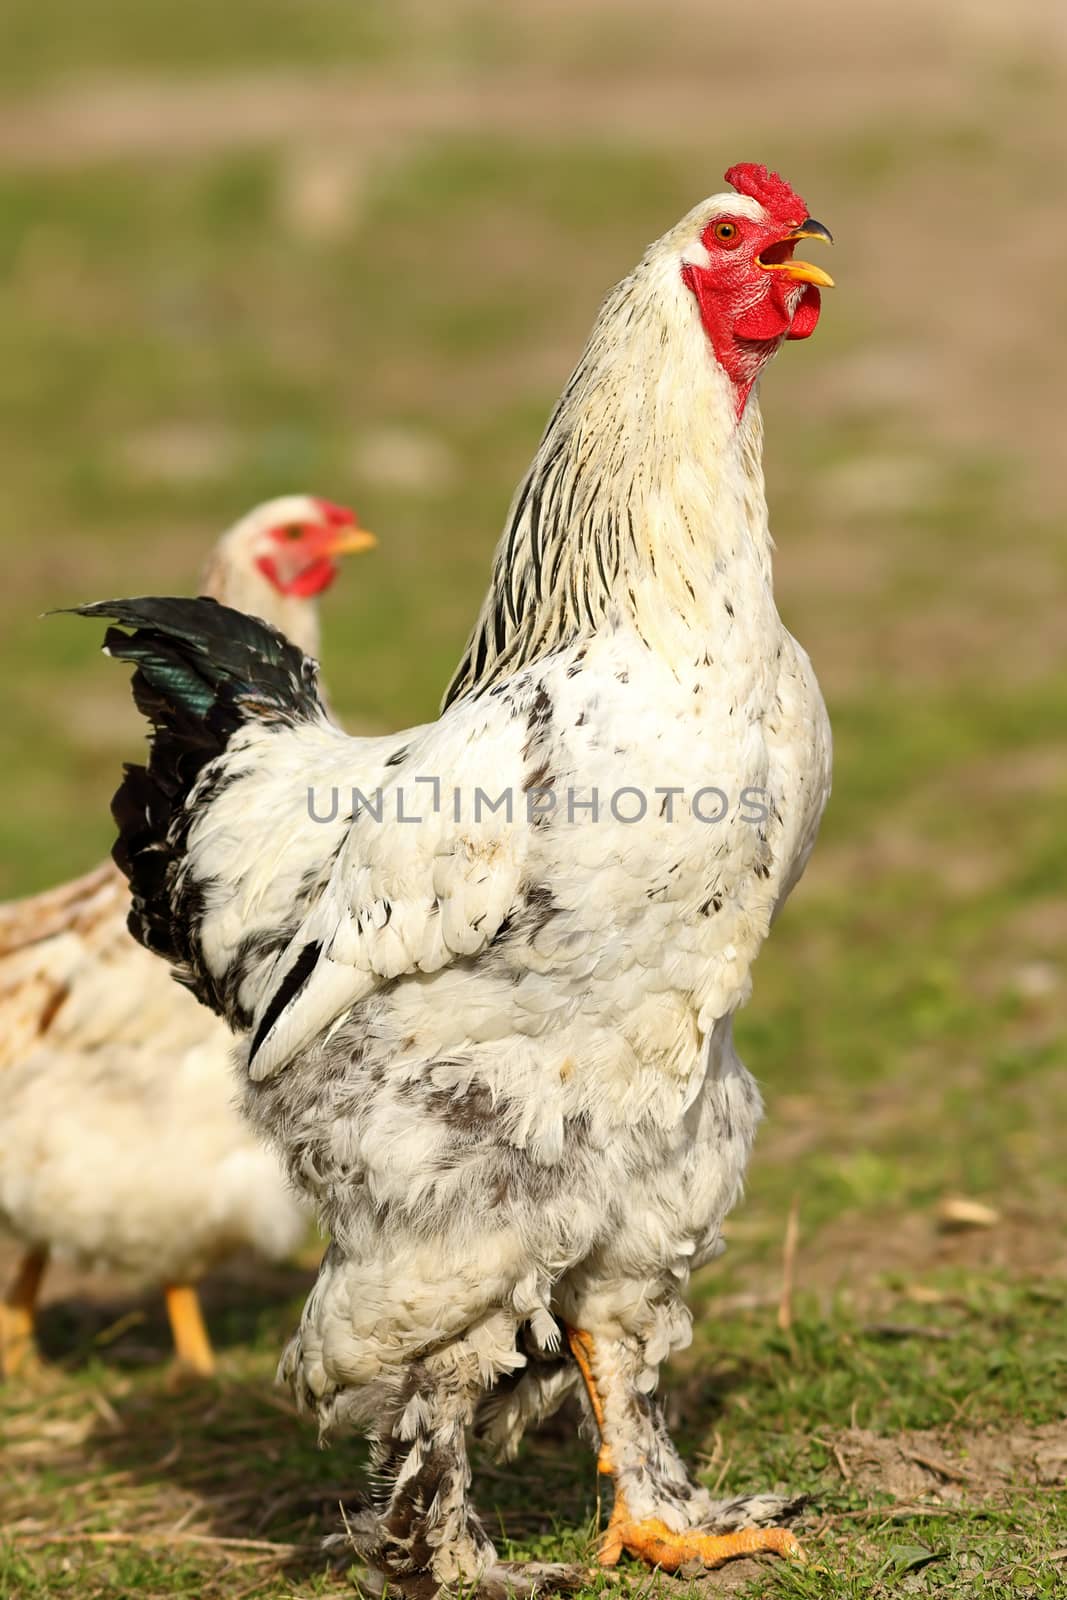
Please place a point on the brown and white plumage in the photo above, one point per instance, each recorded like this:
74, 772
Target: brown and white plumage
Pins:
497, 1048
120, 1143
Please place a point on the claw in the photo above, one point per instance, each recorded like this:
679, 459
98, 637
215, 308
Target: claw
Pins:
660, 1546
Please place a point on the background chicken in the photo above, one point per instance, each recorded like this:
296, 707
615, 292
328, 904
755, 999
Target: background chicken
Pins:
496, 1047
120, 1144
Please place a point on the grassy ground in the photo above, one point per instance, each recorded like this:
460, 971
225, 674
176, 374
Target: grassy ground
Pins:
253, 247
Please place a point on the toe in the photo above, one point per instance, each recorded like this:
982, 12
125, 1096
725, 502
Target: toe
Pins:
660, 1546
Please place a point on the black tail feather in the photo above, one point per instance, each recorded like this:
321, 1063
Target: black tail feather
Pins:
202, 671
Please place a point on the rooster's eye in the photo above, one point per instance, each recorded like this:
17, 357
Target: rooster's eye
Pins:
294, 532
726, 233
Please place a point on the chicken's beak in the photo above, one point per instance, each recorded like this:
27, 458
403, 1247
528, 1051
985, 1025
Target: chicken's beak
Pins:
350, 541
801, 271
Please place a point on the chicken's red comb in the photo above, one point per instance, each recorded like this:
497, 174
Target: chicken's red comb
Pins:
333, 515
773, 193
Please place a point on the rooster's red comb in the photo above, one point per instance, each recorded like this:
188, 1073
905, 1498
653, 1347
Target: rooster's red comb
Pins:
772, 192
334, 516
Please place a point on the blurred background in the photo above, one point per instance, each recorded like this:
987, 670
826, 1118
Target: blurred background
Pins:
355, 248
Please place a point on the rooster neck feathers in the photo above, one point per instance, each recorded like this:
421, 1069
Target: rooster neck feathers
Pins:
644, 486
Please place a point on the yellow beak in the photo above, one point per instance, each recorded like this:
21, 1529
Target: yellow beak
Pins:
351, 542
804, 271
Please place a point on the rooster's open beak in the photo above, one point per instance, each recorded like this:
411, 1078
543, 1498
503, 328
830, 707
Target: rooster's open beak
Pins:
350, 541
801, 271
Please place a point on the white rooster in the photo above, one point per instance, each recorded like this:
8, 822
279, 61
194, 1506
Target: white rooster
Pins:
489, 967
120, 1142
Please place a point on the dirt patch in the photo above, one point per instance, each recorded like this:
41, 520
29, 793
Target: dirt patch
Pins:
953, 1467
107, 121
900, 1252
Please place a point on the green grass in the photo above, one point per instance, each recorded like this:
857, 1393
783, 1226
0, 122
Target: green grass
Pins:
188, 331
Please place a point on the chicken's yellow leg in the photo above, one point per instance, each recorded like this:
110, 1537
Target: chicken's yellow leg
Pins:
650, 1539
18, 1312
191, 1342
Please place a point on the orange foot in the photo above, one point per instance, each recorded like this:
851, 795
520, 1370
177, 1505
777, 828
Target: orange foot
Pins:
660, 1546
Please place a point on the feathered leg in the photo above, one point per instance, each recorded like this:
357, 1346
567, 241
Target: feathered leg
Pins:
658, 1514
18, 1312
191, 1343
424, 1527
424, 1537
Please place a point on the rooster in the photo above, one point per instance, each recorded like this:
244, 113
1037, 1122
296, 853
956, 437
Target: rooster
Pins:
488, 967
119, 1141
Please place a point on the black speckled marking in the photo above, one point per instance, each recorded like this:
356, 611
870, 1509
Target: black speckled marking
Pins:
539, 712
540, 905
